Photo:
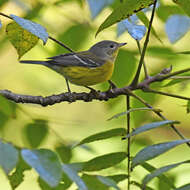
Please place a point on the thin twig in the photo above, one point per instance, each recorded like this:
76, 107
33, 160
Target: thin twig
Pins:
144, 64
61, 44
167, 76
2, 14
180, 77
136, 78
167, 94
128, 141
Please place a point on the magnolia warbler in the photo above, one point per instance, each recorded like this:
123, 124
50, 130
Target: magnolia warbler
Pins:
85, 68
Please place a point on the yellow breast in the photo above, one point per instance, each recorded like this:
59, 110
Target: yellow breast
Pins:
85, 76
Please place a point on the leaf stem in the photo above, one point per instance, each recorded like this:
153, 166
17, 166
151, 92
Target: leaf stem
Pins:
128, 140
136, 78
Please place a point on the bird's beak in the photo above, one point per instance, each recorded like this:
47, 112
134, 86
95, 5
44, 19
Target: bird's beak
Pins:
122, 44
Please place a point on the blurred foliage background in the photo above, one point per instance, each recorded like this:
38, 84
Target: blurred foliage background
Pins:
65, 124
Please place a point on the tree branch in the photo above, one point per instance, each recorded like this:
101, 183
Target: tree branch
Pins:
136, 78
88, 97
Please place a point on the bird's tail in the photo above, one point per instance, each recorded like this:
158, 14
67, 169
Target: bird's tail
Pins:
34, 62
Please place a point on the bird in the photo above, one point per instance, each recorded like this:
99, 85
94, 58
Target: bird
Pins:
85, 68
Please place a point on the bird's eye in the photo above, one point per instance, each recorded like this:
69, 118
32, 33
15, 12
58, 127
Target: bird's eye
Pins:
111, 46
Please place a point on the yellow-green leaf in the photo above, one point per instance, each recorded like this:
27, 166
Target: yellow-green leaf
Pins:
142, 16
124, 11
20, 38
184, 4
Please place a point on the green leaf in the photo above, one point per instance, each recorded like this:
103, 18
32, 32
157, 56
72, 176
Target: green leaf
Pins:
184, 187
118, 178
125, 10
165, 11
64, 152
44, 186
105, 161
103, 135
77, 166
20, 38
188, 106
8, 157
184, 52
124, 68
36, 132
155, 150
17, 177
162, 177
161, 52
4, 119
160, 171
74, 37
34, 28
142, 16
108, 181
175, 81
184, 4
46, 163
93, 183
7, 107
71, 173
135, 183
150, 126
3, 2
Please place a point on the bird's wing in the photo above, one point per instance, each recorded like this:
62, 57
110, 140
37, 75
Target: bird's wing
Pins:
83, 59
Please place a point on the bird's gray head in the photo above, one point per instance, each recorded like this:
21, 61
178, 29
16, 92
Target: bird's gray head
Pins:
106, 49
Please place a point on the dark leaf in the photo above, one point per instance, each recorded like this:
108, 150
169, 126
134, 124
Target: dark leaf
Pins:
93, 183
105, 161
103, 135
36, 132
44, 186
17, 177
118, 178
64, 152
